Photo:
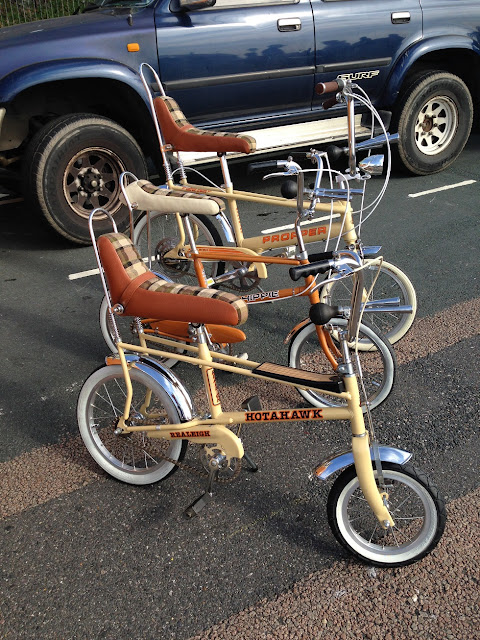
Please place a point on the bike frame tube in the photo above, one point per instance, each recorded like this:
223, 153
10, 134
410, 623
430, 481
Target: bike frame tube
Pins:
215, 429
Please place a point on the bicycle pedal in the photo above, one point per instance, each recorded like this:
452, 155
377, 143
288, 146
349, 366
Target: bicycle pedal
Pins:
198, 504
252, 404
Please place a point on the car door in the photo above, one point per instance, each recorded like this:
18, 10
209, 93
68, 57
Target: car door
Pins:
362, 39
242, 62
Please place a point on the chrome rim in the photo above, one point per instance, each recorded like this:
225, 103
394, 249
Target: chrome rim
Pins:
412, 509
436, 125
92, 179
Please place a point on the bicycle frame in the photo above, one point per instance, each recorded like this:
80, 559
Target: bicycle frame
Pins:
216, 428
262, 243
251, 250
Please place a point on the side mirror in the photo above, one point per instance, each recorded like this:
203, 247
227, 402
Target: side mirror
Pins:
373, 165
192, 5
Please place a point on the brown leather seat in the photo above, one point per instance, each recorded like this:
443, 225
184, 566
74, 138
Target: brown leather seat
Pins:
182, 136
143, 294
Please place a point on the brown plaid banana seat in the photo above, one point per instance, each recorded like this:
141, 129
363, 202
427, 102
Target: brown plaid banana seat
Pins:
142, 293
182, 136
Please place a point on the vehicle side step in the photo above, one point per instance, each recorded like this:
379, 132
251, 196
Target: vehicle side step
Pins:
310, 379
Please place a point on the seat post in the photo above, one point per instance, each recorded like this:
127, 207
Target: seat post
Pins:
232, 205
197, 263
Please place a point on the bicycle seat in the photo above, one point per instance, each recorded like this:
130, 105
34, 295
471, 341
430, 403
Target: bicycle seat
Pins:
141, 293
148, 197
182, 136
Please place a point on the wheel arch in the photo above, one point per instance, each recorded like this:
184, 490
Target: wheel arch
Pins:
42, 92
455, 54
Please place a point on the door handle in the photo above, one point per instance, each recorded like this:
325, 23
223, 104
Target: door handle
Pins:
400, 17
289, 24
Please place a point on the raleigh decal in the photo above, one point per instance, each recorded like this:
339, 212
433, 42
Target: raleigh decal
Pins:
189, 434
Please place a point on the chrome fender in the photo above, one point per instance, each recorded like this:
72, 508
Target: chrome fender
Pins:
227, 228
168, 381
340, 461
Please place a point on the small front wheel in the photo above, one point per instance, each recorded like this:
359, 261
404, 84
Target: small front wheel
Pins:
414, 503
134, 458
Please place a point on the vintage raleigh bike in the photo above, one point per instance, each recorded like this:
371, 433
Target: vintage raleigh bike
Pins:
160, 238
310, 347
136, 416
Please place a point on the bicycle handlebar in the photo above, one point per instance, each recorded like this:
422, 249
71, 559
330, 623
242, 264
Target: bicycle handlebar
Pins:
262, 166
330, 87
323, 262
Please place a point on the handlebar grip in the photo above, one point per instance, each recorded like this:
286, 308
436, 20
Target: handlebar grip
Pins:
262, 166
327, 87
305, 270
329, 103
319, 257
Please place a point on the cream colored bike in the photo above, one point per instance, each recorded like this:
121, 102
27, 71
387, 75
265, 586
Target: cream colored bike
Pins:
136, 417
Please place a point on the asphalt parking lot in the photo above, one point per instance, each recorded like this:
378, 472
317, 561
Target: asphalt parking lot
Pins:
84, 556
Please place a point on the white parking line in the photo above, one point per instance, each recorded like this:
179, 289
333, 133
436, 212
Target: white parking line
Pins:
445, 188
83, 274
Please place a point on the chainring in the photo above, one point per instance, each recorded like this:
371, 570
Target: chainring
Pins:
242, 283
226, 473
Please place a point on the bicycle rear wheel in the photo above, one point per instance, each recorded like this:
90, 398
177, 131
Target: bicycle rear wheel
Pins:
416, 507
377, 363
134, 458
391, 283
164, 235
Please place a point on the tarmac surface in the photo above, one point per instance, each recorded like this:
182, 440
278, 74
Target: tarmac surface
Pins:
83, 556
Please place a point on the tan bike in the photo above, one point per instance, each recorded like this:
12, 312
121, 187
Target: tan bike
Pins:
243, 267
136, 416
310, 346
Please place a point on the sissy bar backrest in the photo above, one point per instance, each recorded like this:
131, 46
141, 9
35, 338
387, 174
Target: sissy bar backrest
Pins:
95, 248
143, 68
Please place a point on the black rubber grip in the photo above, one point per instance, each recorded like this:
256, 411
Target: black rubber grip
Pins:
328, 104
322, 255
262, 166
322, 313
305, 270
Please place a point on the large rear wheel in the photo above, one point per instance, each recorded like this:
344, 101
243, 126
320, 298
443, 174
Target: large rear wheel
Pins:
134, 458
156, 239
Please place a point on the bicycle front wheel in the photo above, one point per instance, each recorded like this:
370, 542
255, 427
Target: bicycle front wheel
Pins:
164, 237
391, 283
414, 503
377, 363
134, 458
